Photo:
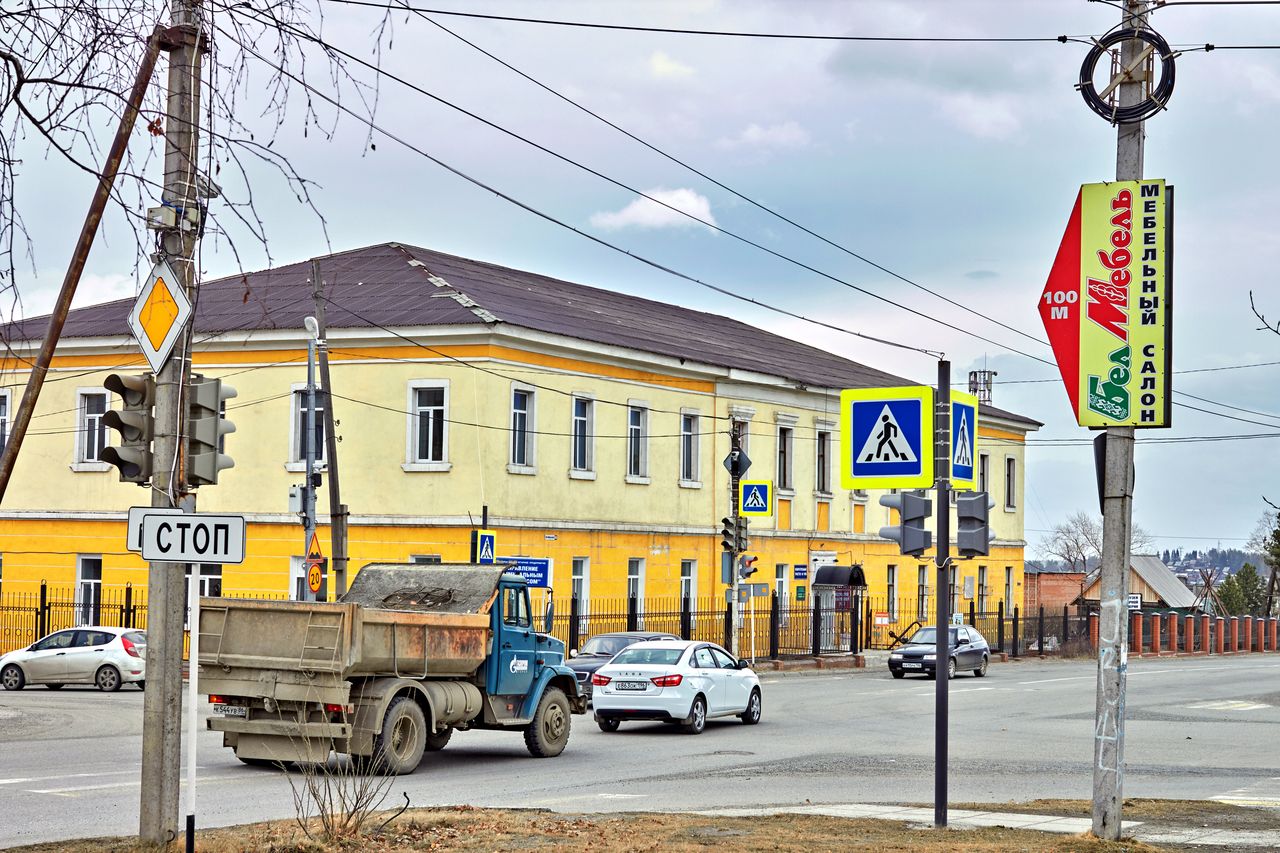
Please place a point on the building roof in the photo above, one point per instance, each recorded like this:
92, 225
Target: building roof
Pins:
1172, 591
1032, 569
392, 285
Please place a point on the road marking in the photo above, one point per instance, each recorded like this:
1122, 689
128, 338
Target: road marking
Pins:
68, 776
1069, 678
621, 796
1228, 705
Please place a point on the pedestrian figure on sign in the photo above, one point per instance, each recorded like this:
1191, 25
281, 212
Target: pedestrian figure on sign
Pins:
888, 433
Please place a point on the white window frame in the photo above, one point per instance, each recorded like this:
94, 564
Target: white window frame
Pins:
1008, 590
694, 439
580, 586
4, 418
982, 589
88, 590
821, 465
922, 592
587, 471
1011, 484
984, 472
425, 559
78, 462
639, 564
689, 582
785, 456
640, 477
208, 572
297, 391
412, 463
530, 464
891, 591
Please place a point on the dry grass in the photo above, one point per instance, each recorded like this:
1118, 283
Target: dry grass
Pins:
467, 829
1195, 813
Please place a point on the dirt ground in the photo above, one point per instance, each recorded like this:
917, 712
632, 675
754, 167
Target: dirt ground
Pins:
1161, 813
466, 829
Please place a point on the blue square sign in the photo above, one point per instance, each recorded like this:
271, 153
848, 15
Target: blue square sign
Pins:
885, 437
964, 440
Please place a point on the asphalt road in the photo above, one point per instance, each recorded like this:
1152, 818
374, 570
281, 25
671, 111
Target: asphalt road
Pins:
1197, 728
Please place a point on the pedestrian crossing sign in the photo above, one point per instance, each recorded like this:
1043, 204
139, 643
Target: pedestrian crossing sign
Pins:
755, 497
964, 438
484, 546
885, 438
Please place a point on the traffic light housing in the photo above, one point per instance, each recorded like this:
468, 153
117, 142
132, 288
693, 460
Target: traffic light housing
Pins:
205, 428
742, 541
914, 508
728, 534
746, 566
135, 423
973, 524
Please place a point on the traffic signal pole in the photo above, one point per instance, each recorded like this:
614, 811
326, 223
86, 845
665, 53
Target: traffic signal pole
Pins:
942, 646
1117, 517
735, 476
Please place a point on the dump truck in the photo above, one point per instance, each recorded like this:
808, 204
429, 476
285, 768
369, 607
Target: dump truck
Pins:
409, 655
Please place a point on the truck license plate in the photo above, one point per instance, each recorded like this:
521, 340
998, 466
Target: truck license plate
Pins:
231, 710
911, 666
632, 685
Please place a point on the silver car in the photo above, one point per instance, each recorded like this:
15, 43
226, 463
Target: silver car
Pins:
105, 657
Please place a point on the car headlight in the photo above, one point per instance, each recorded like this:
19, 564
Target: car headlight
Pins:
930, 657
895, 657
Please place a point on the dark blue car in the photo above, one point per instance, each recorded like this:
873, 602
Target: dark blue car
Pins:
969, 652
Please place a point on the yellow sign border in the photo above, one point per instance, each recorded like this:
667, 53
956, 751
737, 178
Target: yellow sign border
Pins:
970, 485
923, 480
742, 490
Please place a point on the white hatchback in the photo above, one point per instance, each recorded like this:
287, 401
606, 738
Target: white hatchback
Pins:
676, 681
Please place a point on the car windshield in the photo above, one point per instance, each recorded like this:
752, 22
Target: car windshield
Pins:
605, 645
929, 636
634, 655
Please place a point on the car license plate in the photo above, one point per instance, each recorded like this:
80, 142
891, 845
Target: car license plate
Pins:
231, 710
632, 685
912, 666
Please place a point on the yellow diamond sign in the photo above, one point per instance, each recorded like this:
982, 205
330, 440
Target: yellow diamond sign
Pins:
160, 315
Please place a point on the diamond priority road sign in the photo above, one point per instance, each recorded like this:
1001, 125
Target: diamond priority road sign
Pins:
159, 315
886, 438
1108, 304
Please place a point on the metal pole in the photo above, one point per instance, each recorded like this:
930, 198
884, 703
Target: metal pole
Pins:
942, 648
162, 704
309, 442
193, 702
337, 509
735, 444
79, 256
1117, 511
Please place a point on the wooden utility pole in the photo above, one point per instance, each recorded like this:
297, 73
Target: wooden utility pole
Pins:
1117, 515
337, 509
162, 705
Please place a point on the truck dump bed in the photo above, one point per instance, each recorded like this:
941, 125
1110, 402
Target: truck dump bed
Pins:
420, 621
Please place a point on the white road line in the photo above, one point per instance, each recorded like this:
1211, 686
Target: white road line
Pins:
68, 776
1068, 678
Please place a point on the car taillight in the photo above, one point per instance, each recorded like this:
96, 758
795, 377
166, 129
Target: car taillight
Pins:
598, 680
217, 700
668, 680
331, 708
129, 648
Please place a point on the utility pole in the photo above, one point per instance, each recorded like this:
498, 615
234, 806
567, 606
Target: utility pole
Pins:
309, 445
735, 476
1117, 512
337, 509
942, 644
162, 704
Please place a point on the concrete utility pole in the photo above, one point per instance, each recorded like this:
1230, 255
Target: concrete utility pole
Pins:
337, 509
735, 476
309, 443
942, 644
1117, 515
162, 705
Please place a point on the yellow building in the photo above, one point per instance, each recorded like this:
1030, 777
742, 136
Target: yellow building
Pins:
592, 425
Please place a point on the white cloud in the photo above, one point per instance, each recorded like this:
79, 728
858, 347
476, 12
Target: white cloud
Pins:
643, 213
663, 67
787, 134
92, 289
983, 116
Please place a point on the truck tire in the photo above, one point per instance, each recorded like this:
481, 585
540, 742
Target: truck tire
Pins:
399, 746
547, 735
437, 741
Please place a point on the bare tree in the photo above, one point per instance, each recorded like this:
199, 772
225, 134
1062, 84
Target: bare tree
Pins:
1078, 541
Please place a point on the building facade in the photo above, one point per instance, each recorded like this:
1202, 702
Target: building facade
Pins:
591, 425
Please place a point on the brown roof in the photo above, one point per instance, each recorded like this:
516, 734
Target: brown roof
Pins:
395, 285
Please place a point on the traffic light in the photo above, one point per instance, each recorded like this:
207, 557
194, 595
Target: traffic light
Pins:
135, 423
728, 534
913, 509
973, 528
205, 428
746, 566
741, 540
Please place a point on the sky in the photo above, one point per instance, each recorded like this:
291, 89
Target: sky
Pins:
954, 165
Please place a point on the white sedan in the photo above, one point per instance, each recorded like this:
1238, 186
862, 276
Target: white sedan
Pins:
675, 681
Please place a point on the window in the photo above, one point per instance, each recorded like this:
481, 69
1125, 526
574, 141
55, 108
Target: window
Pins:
1008, 589
689, 448
582, 437
780, 587
952, 592
982, 589
891, 591
89, 588
515, 607
92, 435
429, 428
742, 431
637, 441
60, 640
635, 587
425, 559
522, 428
1010, 482
580, 588
922, 593
702, 658
822, 481
4, 418
210, 586
689, 579
785, 480
723, 659
300, 427
1, 574
984, 464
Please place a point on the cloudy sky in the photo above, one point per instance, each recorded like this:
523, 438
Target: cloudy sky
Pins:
953, 165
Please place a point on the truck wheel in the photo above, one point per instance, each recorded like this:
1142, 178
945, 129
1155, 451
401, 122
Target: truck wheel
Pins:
399, 746
266, 762
437, 741
547, 735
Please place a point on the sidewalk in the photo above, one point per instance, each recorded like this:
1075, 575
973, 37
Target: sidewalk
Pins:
969, 819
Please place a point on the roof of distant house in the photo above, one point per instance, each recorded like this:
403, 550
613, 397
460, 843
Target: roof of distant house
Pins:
397, 286
1172, 591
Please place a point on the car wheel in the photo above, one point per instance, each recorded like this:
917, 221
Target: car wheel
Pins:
265, 762
438, 740
951, 668
12, 677
398, 748
982, 670
697, 719
141, 685
55, 686
607, 724
547, 735
107, 679
751, 716
897, 673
